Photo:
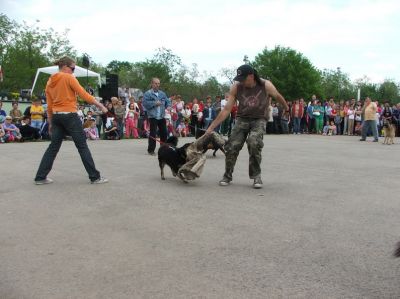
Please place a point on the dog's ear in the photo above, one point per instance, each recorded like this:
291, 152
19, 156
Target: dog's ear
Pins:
173, 140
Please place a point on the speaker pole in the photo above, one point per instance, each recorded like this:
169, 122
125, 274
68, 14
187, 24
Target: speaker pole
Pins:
86, 64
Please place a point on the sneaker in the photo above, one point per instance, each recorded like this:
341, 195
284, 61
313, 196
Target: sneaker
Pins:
225, 181
376, 140
100, 180
257, 183
362, 139
44, 182
152, 153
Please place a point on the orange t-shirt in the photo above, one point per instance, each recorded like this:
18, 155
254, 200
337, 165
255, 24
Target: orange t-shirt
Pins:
61, 91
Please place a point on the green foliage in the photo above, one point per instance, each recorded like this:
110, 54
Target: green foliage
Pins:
25, 48
292, 73
389, 91
337, 84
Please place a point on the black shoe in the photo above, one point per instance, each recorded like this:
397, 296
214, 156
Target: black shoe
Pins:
152, 153
225, 181
376, 140
362, 139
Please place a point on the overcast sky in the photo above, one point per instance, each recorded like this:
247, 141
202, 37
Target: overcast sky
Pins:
361, 37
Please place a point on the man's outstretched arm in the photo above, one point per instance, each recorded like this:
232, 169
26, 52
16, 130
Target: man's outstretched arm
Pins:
272, 91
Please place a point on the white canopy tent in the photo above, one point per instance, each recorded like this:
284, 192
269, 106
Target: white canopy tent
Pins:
79, 72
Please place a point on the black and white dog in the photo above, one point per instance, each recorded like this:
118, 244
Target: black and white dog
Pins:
170, 154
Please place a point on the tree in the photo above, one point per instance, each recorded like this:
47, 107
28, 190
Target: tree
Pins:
367, 88
336, 84
24, 48
389, 91
291, 72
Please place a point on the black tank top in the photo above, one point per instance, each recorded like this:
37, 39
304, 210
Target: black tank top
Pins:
253, 102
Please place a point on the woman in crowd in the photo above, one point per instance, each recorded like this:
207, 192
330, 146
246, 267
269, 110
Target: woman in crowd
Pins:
180, 107
318, 113
111, 132
16, 114
109, 116
350, 116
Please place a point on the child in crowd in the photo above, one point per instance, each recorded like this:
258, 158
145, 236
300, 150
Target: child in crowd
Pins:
91, 130
337, 118
330, 129
170, 128
11, 130
111, 132
131, 121
183, 129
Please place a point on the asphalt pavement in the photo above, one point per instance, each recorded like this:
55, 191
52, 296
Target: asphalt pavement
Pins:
324, 225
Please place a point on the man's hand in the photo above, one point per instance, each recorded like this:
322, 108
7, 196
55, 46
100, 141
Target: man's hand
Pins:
104, 110
50, 128
158, 103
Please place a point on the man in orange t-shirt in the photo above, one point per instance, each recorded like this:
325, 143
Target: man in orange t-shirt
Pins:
61, 91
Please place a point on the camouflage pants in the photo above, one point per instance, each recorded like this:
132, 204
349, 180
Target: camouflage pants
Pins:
250, 130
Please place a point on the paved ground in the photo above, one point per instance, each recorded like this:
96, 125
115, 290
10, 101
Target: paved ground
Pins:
324, 226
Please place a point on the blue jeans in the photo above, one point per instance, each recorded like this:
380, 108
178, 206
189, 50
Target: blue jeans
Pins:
369, 125
296, 125
37, 124
62, 125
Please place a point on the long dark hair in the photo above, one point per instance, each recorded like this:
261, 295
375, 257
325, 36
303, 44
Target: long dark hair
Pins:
257, 78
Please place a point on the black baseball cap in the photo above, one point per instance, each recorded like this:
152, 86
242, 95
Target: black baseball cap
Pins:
243, 71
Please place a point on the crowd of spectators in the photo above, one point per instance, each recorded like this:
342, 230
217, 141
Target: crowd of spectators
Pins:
126, 118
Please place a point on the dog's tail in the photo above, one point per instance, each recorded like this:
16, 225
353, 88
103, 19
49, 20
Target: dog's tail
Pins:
173, 140
397, 250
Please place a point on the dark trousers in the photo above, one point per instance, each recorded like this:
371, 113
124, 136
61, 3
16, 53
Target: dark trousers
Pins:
67, 125
193, 124
161, 124
311, 125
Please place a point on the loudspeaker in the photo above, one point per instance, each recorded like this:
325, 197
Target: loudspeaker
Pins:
110, 89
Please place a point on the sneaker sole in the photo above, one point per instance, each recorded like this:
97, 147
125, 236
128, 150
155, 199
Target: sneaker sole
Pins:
99, 183
223, 184
257, 186
41, 183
